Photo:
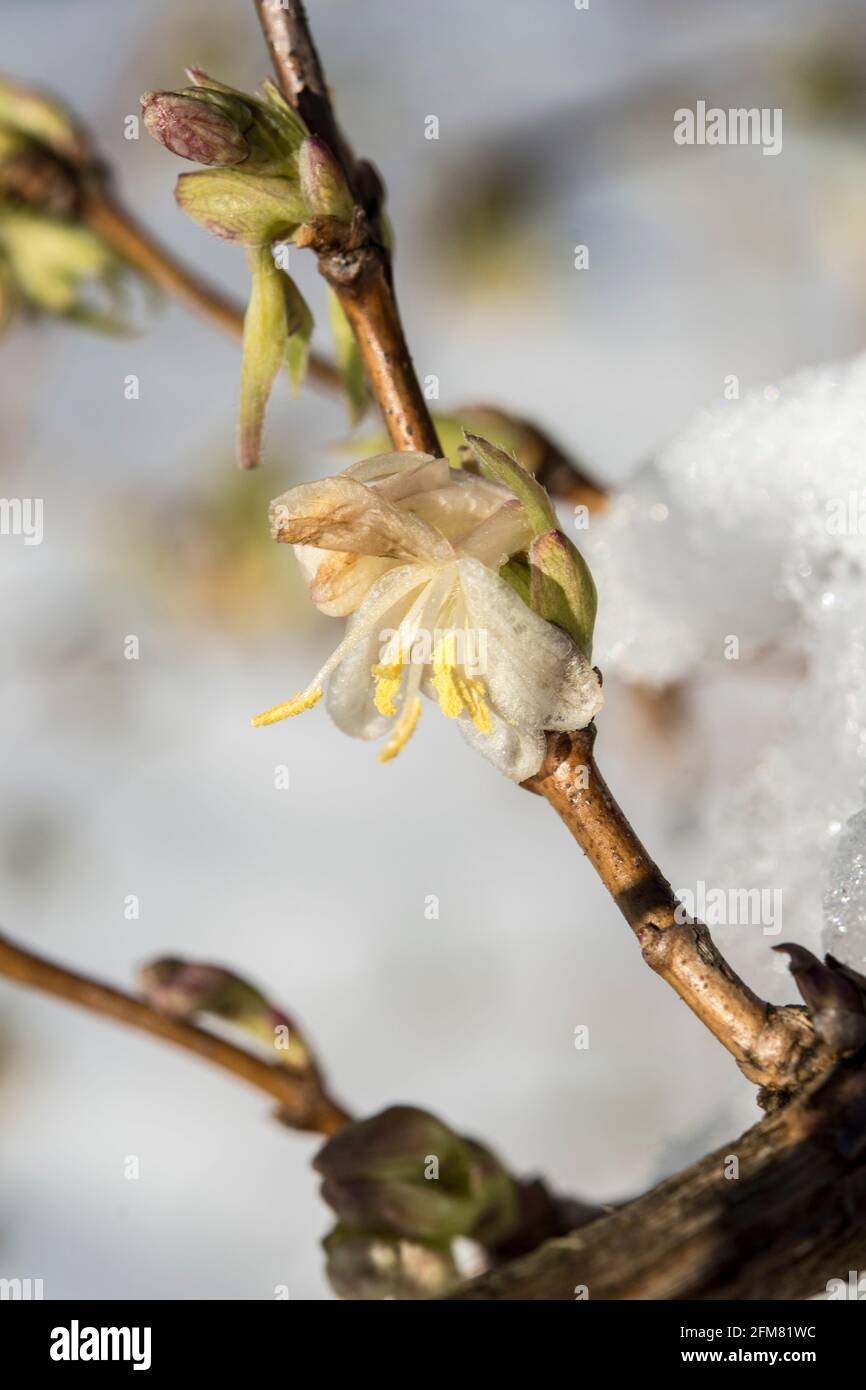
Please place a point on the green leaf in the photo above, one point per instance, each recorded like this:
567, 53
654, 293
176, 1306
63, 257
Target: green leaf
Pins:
349, 363
562, 590
265, 344
502, 468
300, 329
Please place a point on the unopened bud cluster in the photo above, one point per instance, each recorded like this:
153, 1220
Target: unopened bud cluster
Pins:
835, 994
51, 262
267, 178
404, 1186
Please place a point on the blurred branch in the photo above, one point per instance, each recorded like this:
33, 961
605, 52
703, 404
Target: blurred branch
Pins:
303, 1102
179, 990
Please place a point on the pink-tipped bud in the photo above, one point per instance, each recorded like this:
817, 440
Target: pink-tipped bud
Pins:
323, 183
197, 128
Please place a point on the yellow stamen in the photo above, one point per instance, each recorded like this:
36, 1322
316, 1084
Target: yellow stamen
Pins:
455, 691
298, 703
477, 706
387, 676
402, 733
445, 677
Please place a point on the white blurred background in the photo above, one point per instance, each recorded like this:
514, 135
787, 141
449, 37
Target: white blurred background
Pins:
144, 777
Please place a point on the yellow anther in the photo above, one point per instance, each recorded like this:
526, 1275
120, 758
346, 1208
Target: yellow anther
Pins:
387, 676
447, 692
298, 703
402, 733
477, 706
445, 679
456, 692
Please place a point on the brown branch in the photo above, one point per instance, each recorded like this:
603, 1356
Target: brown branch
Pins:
779, 1224
301, 76
358, 270
776, 1047
304, 1103
156, 263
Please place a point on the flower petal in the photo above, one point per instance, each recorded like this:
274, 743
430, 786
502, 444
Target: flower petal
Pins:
516, 753
536, 677
339, 581
385, 466
341, 514
350, 692
459, 506
501, 535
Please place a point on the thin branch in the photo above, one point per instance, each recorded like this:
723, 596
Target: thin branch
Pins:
304, 1103
300, 74
357, 268
774, 1214
776, 1047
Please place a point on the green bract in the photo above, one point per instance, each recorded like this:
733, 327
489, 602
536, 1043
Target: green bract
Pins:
254, 209
560, 586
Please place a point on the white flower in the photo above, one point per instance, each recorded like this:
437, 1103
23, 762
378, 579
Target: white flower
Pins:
409, 550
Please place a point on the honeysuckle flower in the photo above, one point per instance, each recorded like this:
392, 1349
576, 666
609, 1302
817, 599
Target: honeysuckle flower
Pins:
410, 550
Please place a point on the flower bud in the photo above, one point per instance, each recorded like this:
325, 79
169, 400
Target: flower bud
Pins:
374, 1176
44, 121
323, 183
184, 989
561, 588
821, 986
852, 975
32, 176
195, 127
405, 1173
213, 124
835, 1000
365, 1268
